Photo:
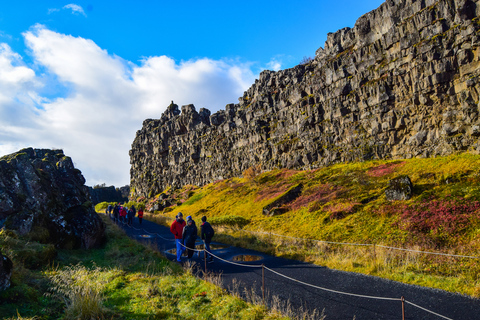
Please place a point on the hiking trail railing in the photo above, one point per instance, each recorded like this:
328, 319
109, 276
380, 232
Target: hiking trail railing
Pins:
264, 268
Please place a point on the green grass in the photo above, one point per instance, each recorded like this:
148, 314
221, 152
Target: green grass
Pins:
123, 280
346, 203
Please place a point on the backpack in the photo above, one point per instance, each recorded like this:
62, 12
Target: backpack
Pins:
209, 232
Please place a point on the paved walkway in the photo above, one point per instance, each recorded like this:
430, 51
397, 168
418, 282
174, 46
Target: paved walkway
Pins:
361, 289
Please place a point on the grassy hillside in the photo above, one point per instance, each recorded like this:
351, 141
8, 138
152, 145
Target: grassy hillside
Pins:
346, 203
123, 280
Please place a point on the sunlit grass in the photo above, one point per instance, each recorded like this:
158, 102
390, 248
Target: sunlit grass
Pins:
124, 280
346, 203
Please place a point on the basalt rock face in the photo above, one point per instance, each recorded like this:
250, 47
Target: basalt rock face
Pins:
43, 196
403, 82
108, 194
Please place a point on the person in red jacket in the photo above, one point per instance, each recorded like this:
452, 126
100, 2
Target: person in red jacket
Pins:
123, 215
177, 229
140, 215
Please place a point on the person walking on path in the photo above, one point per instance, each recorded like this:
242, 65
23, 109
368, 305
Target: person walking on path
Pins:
131, 215
190, 236
116, 212
206, 232
177, 229
140, 215
123, 214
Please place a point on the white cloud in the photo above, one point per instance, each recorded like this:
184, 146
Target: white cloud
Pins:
76, 9
274, 65
107, 98
52, 10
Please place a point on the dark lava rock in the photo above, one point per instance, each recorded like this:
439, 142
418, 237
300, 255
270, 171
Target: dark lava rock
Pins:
42, 195
399, 188
107, 194
6, 267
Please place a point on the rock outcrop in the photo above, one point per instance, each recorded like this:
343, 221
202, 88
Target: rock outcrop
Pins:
400, 188
403, 82
42, 195
108, 194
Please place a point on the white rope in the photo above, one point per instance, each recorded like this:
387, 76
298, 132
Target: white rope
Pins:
303, 239
439, 315
334, 291
365, 244
237, 264
429, 252
196, 250
314, 286
164, 238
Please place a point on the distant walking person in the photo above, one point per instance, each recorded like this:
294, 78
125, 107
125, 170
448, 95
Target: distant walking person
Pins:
207, 233
131, 215
140, 215
109, 209
123, 214
116, 212
177, 229
190, 236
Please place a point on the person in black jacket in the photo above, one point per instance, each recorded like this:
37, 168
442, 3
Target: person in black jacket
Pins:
189, 236
206, 232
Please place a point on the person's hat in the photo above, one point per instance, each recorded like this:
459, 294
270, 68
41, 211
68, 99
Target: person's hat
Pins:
180, 214
189, 218
204, 218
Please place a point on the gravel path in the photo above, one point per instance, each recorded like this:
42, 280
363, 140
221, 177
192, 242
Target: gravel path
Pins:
335, 305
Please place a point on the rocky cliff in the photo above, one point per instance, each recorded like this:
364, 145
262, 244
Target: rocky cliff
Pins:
43, 197
109, 194
403, 82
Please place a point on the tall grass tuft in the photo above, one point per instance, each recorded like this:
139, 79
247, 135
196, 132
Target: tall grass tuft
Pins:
81, 291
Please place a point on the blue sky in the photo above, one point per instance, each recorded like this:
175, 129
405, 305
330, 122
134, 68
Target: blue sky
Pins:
82, 76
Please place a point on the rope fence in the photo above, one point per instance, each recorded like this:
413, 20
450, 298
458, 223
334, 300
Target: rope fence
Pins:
402, 299
363, 244
356, 244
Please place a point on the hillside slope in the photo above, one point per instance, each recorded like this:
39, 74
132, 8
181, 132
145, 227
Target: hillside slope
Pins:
346, 203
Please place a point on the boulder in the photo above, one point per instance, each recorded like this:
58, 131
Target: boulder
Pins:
399, 188
6, 267
44, 197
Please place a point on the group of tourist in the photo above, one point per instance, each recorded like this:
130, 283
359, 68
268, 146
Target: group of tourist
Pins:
123, 214
186, 232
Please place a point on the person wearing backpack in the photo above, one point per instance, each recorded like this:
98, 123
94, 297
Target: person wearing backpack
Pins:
189, 236
207, 233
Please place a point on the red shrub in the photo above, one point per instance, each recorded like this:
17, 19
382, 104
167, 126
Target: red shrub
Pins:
439, 217
319, 194
274, 191
384, 169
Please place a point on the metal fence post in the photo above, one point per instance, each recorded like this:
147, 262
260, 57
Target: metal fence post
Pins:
263, 283
403, 308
